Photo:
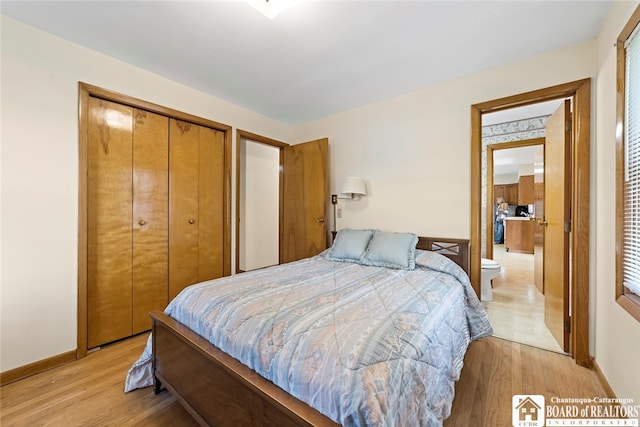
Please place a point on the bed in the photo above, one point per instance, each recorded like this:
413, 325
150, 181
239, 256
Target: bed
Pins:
372, 331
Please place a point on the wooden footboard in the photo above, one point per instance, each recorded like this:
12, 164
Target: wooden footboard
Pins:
215, 388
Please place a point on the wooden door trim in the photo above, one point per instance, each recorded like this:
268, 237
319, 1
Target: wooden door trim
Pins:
490, 196
267, 141
85, 91
580, 90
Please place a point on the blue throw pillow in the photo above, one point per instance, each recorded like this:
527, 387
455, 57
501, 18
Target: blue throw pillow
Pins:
392, 250
349, 245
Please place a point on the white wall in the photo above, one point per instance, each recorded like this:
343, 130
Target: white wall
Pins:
259, 206
40, 75
617, 334
525, 170
414, 150
511, 178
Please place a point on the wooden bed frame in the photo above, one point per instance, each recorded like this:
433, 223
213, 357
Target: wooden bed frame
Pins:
218, 390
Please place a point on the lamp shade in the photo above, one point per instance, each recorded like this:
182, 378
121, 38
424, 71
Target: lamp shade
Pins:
354, 186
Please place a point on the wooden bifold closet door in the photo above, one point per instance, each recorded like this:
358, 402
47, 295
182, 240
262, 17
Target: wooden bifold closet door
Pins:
128, 215
196, 187
150, 216
155, 214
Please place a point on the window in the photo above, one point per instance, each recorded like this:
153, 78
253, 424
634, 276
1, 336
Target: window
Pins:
628, 191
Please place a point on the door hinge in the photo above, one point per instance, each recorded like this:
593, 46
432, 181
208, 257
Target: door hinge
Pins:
567, 326
567, 225
567, 125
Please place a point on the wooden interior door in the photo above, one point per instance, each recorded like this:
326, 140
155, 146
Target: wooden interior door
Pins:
109, 212
150, 216
305, 195
557, 211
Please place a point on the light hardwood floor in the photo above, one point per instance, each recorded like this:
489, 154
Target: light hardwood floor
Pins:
517, 310
89, 392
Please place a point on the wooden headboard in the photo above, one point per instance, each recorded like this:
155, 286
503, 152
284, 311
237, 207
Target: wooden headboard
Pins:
455, 249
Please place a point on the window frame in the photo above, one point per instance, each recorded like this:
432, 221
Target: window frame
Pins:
624, 297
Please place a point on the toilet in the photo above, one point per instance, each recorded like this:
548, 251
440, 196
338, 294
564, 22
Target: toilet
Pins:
490, 269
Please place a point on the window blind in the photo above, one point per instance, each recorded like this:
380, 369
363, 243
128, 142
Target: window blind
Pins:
631, 215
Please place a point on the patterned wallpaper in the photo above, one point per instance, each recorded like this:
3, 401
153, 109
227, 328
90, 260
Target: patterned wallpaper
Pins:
518, 130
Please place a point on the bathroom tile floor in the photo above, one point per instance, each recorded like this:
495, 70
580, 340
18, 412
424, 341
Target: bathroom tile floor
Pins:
517, 310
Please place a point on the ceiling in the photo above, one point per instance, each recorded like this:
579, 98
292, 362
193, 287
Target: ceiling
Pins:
317, 57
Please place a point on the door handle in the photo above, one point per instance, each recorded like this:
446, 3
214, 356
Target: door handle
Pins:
542, 222
320, 220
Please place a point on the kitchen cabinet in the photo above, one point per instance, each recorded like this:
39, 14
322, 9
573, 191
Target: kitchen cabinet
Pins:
518, 235
509, 192
525, 190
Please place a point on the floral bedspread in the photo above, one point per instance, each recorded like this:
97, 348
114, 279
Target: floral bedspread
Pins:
364, 345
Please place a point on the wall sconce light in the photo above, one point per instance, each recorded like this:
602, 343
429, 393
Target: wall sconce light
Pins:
353, 187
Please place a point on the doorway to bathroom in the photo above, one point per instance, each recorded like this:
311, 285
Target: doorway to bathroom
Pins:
516, 305
574, 272
520, 307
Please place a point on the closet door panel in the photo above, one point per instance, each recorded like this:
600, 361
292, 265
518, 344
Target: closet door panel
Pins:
109, 210
211, 204
150, 216
184, 146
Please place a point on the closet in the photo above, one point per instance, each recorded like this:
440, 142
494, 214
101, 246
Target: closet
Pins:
196, 159
155, 214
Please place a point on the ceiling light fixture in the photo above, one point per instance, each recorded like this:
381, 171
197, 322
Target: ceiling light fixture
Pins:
270, 8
